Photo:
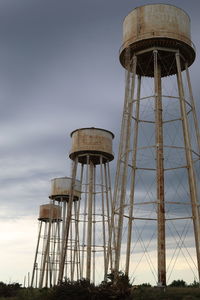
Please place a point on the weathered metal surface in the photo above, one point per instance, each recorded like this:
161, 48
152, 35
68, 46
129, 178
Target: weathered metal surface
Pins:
157, 20
156, 43
91, 141
61, 189
50, 212
157, 25
192, 180
160, 172
91, 152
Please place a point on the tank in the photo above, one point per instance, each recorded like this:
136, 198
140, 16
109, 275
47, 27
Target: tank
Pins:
92, 141
157, 25
50, 212
61, 189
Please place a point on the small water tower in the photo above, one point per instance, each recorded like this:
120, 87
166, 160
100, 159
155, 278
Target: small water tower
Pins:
45, 267
61, 192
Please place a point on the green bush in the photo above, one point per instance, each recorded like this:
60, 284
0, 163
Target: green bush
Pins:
178, 283
194, 284
116, 287
146, 284
84, 290
9, 290
34, 294
81, 289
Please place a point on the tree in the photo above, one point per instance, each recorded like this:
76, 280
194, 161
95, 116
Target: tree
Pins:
9, 290
195, 284
146, 284
178, 283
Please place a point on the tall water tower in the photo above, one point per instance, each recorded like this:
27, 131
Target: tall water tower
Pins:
156, 191
88, 220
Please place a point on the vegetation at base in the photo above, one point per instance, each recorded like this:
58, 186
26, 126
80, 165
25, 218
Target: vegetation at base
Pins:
178, 283
9, 290
118, 288
170, 293
113, 288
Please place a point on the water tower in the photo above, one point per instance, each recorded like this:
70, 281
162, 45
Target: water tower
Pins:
46, 261
91, 153
156, 194
61, 191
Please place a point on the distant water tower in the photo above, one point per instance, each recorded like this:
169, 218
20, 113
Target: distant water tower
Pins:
45, 267
61, 191
156, 191
88, 220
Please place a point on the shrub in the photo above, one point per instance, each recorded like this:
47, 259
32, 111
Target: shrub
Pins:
9, 290
178, 283
34, 294
69, 290
146, 284
194, 284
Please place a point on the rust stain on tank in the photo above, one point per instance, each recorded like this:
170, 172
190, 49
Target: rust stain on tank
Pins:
61, 189
92, 140
49, 212
157, 25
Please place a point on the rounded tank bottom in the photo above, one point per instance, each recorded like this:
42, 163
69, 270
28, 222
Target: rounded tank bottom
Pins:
95, 157
145, 62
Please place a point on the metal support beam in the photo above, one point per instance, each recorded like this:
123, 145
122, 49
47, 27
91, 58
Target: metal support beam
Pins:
133, 173
188, 153
159, 172
36, 254
68, 223
193, 106
121, 175
89, 221
45, 263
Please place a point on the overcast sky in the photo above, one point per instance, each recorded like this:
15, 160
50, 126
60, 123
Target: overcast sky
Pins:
59, 71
